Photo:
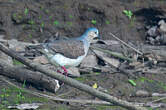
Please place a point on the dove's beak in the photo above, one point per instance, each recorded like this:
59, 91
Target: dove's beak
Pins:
96, 38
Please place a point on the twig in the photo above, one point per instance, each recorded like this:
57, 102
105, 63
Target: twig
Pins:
115, 54
126, 44
162, 98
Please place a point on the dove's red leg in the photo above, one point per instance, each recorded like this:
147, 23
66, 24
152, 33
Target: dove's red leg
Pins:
65, 70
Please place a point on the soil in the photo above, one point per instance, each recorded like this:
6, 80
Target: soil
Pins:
29, 20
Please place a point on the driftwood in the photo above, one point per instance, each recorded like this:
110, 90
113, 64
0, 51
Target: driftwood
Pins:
72, 82
35, 78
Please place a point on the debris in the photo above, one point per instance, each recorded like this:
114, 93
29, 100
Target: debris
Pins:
26, 106
109, 60
41, 60
156, 35
89, 61
95, 86
73, 71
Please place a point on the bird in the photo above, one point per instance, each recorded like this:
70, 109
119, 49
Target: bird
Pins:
69, 52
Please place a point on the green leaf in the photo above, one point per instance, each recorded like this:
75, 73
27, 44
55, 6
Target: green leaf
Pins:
69, 23
31, 22
56, 22
125, 11
15, 62
132, 82
42, 24
93, 21
70, 16
26, 11
97, 73
107, 22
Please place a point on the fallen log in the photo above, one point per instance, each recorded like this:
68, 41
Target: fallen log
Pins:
72, 82
22, 74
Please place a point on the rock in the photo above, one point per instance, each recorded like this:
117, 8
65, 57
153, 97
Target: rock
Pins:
15, 45
163, 38
2, 36
162, 25
74, 71
41, 59
142, 93
152, 31
6, 58
89, 61
111, 61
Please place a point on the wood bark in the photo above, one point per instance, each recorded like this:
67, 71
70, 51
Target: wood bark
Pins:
72, 82
22, 74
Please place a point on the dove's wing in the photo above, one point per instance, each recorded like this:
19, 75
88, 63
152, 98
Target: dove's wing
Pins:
69, 48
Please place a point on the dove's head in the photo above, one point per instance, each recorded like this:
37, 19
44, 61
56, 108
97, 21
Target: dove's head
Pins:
91, 34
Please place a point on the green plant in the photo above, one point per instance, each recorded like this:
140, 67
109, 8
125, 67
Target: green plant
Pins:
70, 16
26, 11
42, 24
30, 35
128, 13
40, 16
93, 21
15, 62
50, 17
47, 11
56, 22
31, 22
69, 23
14, 15
107, 22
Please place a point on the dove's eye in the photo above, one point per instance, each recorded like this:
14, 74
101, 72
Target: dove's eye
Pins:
95, 32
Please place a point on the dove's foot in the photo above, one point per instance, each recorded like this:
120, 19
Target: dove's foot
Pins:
65, 71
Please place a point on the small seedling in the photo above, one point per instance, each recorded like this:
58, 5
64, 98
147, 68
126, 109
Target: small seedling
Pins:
56, 22
30, 35
26, 11
15, 62
93, 21
23, 86
40, 17
69, 23
47, 11
128, 13
14, 15
31, 22
70, 16
42, 24
107, 22
50, 17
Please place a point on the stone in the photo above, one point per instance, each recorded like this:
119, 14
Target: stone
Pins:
162, 25
41, 59
73, 71
111, 61
152, 31
89, 61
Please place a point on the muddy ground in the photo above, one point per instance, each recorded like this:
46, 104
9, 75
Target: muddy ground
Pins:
29, 20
